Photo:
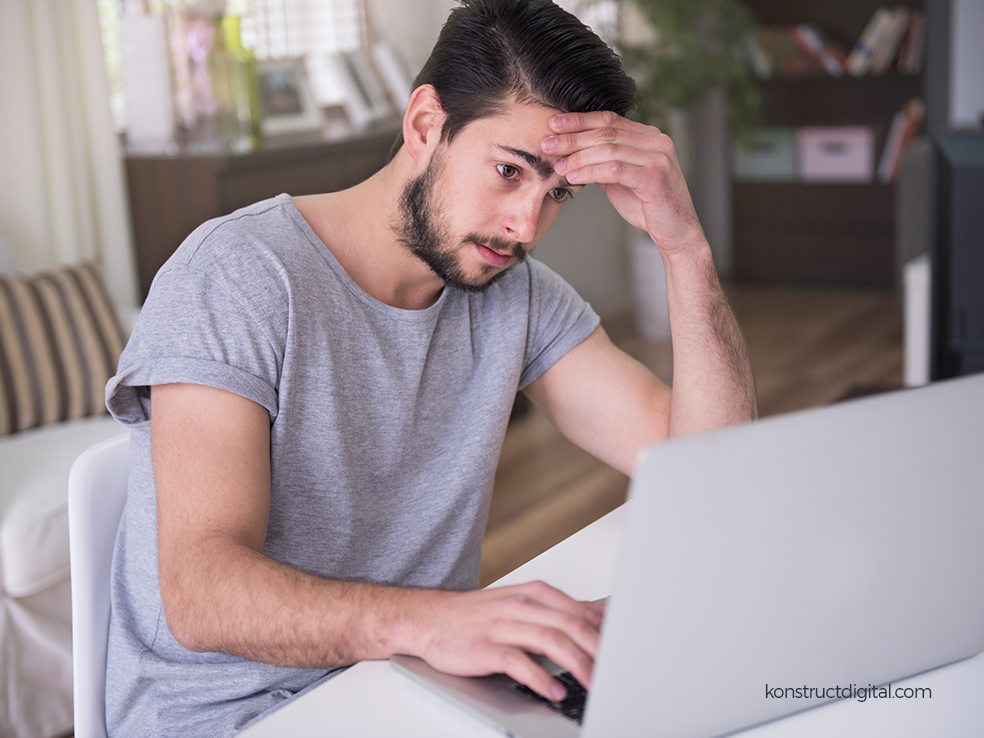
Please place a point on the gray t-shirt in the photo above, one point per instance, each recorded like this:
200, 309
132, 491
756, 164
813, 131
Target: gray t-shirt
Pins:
385, 431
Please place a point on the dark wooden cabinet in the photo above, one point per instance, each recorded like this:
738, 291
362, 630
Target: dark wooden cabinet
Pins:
171, 195
825, 234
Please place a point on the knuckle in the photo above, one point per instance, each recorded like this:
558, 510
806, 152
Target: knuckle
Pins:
610, 150
607, 133
510, 659
539, 586
550, 637
516, 602
609, 118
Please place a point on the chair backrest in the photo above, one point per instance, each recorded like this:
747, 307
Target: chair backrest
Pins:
96, 496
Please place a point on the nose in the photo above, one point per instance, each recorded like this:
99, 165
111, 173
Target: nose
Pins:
523, 218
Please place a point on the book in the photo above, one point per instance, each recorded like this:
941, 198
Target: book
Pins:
761, 64
814, 42
871, 39
783, 54
911, 53
885, 53
906, 125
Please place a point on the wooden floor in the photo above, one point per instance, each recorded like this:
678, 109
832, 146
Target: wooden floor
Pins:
808, 347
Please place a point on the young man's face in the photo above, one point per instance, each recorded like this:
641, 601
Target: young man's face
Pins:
485, 199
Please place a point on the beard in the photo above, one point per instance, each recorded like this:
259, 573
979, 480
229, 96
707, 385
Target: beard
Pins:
425, 233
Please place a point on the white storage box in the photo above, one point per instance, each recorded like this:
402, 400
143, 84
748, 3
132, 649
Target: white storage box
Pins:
844, 154
769, 154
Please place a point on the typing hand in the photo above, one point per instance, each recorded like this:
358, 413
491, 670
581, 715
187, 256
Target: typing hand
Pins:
635, 165
493, 631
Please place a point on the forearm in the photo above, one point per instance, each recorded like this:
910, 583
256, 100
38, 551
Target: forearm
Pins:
232, 599
712, 376
220, 593
246, 604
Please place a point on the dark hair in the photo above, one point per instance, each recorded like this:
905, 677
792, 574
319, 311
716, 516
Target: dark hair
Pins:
492, 51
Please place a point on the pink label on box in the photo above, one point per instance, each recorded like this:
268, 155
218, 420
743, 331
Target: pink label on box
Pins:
844, 154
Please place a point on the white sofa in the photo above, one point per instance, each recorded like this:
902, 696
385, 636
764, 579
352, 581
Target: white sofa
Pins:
36, 598
59, 342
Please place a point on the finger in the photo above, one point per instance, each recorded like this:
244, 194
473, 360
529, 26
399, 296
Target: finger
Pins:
549, 642
606, 139
543, 594
573, 122
517, 665
554, 625
614, 173
596, 606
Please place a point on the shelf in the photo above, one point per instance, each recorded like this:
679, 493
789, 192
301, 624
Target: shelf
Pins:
838, 101
814, 234
823, 234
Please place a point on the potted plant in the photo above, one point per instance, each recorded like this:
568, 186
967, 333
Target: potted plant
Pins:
681, 53
680, 50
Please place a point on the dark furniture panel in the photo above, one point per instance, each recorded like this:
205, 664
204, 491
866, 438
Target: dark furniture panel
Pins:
958, 255
814, 233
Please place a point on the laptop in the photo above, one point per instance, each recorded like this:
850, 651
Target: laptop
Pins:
840, 546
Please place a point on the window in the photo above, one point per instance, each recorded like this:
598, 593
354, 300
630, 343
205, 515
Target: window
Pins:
601, 16
271, 29
312, 29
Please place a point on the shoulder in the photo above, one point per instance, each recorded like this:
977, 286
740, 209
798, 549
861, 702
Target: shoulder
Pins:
262, 232
259, 249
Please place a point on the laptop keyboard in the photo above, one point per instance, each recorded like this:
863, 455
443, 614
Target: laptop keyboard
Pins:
571, 707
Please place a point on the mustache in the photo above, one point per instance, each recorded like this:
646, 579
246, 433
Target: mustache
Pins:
497, 243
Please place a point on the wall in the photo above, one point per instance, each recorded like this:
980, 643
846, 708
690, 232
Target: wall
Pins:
967, 64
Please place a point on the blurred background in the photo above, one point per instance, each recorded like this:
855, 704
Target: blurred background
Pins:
833, 149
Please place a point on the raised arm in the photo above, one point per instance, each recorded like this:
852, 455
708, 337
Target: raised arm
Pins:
637, 168
211, 456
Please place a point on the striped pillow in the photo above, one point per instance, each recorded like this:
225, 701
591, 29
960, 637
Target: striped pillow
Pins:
59, 345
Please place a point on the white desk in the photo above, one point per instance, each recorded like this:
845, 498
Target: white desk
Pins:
370, 699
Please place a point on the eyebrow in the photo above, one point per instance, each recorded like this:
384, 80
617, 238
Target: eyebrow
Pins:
540, 165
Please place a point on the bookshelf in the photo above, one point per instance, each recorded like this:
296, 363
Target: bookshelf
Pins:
822, 233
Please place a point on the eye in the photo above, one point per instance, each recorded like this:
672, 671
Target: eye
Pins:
561, 195
508, 170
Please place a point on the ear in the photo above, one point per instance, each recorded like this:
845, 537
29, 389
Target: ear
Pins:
422, 123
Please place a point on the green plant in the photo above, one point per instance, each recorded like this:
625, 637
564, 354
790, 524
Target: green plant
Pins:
690, 48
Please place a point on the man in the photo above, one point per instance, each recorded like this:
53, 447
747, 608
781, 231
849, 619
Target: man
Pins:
319, 388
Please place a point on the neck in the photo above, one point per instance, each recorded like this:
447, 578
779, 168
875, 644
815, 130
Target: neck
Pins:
357, 226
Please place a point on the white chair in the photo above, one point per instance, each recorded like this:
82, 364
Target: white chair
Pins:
96, 495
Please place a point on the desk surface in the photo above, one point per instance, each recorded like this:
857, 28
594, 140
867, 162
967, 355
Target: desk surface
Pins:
370, 699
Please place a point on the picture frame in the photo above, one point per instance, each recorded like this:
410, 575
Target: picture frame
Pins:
394, 73
364, 102
286, 98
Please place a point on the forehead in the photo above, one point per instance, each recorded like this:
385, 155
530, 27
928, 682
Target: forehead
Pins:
517, 125
514, 134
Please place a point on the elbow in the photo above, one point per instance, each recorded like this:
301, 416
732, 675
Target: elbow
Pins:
183, 612
184, 625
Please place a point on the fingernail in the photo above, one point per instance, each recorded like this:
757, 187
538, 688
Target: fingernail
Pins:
559, 121
560, 166
572, 176
549, 143
557, 693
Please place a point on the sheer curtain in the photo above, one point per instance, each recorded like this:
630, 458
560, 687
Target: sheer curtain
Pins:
62, 187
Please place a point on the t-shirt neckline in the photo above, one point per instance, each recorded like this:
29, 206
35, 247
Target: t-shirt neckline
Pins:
346, 279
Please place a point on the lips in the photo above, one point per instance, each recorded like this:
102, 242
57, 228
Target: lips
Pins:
493, 257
